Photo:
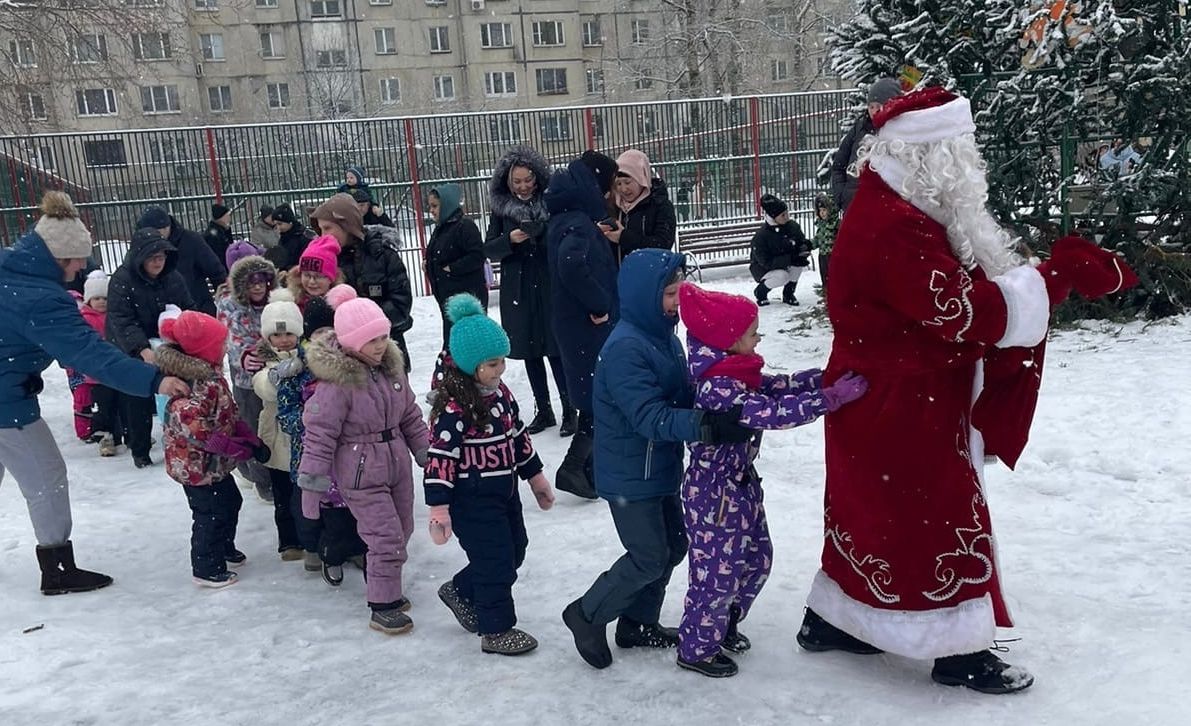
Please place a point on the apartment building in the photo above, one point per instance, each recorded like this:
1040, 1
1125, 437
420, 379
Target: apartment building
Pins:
168, 63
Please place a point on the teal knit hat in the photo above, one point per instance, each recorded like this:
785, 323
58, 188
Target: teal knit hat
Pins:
475, 337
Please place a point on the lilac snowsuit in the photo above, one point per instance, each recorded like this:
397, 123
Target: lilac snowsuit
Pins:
730, 552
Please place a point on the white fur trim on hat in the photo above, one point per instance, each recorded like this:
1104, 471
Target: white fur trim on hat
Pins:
96, 285
171, 311
928, 125
280, 317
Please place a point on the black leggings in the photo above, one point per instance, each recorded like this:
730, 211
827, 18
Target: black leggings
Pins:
535, 368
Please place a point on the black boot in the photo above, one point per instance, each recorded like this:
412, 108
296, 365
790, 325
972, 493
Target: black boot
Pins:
762, 294
59, 574
716, 666
788, 294
982, 671
569, 419
572, 476
819, 636
543, 419
591, 640
734, 641
632, 634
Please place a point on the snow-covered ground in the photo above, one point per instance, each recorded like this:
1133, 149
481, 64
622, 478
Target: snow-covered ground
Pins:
1093, 532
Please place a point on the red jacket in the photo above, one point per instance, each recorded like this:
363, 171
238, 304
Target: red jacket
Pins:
192, 419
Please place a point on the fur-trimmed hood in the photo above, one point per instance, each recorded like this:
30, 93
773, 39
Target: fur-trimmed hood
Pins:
502, 201
331, 363
244, 268
173, 362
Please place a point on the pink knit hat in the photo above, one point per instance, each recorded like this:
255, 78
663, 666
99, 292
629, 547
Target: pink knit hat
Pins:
321, 256
340, 294
359, 321
715, 318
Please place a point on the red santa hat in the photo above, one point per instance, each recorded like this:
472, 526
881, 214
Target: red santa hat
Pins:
924, 117
715, 318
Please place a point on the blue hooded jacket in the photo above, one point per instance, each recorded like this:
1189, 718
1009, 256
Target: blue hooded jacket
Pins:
643, 397
41, 323
582, 275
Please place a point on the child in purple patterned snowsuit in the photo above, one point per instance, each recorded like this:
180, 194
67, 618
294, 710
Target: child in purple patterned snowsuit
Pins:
730, 551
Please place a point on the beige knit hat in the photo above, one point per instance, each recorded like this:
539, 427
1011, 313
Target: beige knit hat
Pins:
61, 229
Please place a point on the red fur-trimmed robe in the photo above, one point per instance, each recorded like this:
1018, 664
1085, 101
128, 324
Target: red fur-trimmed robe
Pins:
908, 559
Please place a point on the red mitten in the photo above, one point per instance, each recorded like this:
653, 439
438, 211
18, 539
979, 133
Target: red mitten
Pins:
1093, 272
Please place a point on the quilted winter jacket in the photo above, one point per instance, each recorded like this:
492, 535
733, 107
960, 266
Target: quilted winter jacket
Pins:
242, 318
190, 420
274, 437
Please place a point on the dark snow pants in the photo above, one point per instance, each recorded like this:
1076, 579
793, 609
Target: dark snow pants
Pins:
491, 530
215, 509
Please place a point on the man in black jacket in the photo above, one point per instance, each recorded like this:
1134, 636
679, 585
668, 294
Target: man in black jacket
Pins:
843, 186
371, 263
219, 231
293, 237
372, 213
138, 293
196, 262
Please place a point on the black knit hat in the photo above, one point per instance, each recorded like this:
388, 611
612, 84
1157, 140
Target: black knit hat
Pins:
284, 213
318, 314
773, 206
266, 211
218, 210
602, 166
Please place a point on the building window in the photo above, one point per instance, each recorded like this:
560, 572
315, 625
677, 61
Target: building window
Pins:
551, 81
35, 102
643, 82
160, 99
548, 33
440, 40
151, 46
21, 53
100, 154
96, 102
496, 35
143, 3
594, 81
272, 45
390, 90
777, 22
45, 158
597, 126
500, 83
278, 94
436, 2
266, 3
380, 2
591, 33
505, 129
206, 5
167, 150
212, 46
556, 128
386, 40
640, 32
334, 58
325, 9
91, 48
444, 88
779, 70
220, 98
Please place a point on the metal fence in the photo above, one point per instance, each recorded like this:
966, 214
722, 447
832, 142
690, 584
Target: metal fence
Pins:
717, 156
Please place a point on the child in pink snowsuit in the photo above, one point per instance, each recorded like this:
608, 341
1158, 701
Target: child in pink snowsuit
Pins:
362, 425
730, 552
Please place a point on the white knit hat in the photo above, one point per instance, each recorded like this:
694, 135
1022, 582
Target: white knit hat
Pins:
96, 285
281, 316
61, 229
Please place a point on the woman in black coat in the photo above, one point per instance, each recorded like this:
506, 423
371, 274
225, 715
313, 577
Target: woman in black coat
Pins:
645, 215
517, 239
454, 254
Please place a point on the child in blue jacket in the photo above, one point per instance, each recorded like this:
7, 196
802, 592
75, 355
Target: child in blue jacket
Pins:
643, 415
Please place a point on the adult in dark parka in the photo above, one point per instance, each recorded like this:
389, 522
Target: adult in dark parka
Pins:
41, 324
139, 291
644, 212
516, 239
454, 254
583, 296
219, 231
292, 238
843, 185
196, 261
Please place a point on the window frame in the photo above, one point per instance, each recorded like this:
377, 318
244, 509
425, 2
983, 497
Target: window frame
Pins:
486, 35
273, 53
224, 107
207, 48
171, 93
90, 158
539, 40
555, 74
639, 31
324, 9
386, 86
590, 89
29, 106
585, 24
440, 82
443, 35
505, 77
378, 33
22, 52
110, 102
138, 47
100, 48
279, 87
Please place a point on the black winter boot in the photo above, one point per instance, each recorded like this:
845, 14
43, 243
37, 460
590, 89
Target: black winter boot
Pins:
716, 666
591, 640
983, 672
543, 419
569, 419
762, 294
631, 634
572, 476
734, 641
819, 636
60, 575
788, 294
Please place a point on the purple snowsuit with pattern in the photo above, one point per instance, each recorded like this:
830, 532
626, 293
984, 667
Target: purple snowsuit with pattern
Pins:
730, 552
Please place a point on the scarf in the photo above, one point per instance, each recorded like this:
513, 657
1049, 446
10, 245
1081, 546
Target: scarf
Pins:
743, 367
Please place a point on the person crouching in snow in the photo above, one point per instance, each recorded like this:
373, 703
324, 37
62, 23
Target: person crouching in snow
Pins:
362, 424
478, 450
730, 552
281, 328
204, 440
780, 252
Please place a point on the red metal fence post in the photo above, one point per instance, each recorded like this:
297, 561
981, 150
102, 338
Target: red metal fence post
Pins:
589, 127
416, 191
755, 130
213, 160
